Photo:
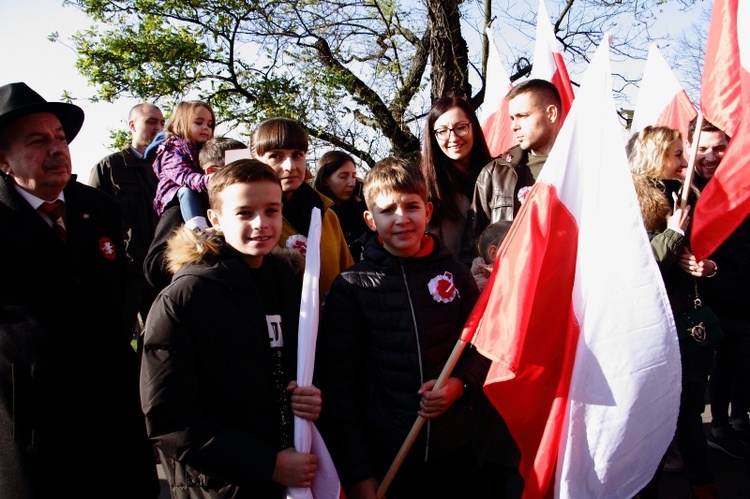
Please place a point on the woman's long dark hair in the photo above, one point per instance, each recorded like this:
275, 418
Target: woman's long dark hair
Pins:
327, 166
442, 175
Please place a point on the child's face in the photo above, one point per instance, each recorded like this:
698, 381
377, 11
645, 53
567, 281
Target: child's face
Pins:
400, 220
250, 218
201, 128
290, 166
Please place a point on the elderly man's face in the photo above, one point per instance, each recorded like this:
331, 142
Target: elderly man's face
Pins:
34, 152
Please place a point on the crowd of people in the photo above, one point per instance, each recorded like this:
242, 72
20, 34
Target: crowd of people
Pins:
200, 260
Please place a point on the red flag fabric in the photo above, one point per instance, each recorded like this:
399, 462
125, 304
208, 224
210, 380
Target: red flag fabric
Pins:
721, 88
725, 102
494, 115
585, 363
661, 99
548, 61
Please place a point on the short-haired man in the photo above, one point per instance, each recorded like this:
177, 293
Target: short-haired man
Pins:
727, 292
128, 177
534, 107
712, 145
70, 418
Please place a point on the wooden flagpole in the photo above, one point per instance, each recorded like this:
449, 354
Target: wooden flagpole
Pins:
417, 426
691, 162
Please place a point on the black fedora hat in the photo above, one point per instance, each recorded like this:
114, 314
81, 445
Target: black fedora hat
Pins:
18, 99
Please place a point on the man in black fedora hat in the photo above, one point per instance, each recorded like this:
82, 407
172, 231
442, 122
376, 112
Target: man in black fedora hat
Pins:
70, 419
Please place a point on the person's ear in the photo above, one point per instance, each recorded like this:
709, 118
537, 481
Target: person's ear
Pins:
131, 125
213, 217
428, 211
492, 251
552, 113
4, 165
370, 220
209, 169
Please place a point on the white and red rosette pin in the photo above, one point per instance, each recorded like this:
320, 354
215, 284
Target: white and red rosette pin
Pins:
297, 242
442, 288
107, 248
522, 193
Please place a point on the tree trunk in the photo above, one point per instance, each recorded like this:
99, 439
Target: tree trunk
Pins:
448, 50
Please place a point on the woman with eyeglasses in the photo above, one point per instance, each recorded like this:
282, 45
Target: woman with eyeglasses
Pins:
453, 153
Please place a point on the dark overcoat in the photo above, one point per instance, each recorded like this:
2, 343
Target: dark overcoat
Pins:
69, 411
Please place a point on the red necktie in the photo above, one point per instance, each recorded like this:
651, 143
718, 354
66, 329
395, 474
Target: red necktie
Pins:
55, 211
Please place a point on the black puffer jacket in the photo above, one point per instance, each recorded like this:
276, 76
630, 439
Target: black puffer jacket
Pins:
206, 378
382, 336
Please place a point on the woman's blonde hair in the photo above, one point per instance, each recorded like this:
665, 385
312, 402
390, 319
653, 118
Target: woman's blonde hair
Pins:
648, 150
182, 116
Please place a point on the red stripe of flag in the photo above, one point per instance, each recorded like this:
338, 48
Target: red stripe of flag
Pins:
725, 102
575, 319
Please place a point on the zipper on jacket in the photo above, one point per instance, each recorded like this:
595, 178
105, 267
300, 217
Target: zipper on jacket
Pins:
419, 353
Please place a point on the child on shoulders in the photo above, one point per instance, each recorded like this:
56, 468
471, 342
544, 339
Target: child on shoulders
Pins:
177, 166
211, 157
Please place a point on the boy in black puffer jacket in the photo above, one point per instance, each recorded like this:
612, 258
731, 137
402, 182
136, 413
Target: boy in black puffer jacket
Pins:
218, 370
390, 323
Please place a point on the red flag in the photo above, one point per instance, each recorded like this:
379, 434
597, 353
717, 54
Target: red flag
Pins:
548, 61
494, 114
577, 323
661, 100
725, 102
721, 89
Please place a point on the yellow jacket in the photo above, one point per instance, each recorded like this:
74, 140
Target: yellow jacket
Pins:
334, 252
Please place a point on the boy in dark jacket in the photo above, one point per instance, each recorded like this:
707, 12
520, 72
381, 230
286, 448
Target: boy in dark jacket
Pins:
219, 355
390, 323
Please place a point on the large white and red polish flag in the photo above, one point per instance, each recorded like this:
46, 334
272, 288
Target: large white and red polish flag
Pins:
493, 114
725, 102
576, 321
661, 100
548, 61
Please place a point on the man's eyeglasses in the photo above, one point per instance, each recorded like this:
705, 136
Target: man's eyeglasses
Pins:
460, 130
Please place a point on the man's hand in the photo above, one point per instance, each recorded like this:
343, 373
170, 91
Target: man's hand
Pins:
689, 264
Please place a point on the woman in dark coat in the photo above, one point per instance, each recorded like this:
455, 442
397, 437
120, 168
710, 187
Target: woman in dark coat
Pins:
657, 164
453, 153
336, 177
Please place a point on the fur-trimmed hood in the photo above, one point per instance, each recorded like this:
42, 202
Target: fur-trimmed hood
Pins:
189, 247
